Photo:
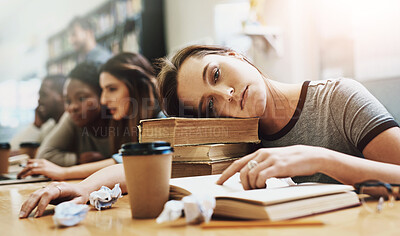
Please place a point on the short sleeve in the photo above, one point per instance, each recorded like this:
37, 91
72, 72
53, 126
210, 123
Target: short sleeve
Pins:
117, 158
358, 115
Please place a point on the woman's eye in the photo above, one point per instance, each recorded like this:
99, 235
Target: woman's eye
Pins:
112, 89
211, 105
216, 75
81, 99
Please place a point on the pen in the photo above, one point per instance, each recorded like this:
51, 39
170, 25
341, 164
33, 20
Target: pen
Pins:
260, 223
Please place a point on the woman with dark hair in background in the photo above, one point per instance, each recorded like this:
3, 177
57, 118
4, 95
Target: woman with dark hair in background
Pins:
129, 92
82, 133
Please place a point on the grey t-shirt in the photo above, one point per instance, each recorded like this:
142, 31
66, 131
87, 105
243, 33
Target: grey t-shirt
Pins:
338, 114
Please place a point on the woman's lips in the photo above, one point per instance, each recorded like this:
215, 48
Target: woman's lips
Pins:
244, 97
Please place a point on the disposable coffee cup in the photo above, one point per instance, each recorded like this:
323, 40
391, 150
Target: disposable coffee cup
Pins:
29, 148
147, 170
4, 155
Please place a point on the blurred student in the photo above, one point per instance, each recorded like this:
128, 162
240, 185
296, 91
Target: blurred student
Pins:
83, 40
82, 129
129, 92
47, 114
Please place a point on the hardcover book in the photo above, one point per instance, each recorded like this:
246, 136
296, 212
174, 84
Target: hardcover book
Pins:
279, 202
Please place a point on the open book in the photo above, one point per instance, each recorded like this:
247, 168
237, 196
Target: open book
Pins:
278, 202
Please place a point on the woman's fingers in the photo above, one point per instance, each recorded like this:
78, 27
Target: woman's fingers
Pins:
233, 168
47, 196
264, 174
54, 193
30, 204
30, 166
253, 174
32, 171
23, 172
40, 198
26, 174
244, 178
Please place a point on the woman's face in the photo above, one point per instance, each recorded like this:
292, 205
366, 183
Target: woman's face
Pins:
225, 85
81, 102
115, 95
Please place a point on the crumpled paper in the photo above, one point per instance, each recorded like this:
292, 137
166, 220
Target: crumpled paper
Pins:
197, 209
69, 213
172, 211
105, 197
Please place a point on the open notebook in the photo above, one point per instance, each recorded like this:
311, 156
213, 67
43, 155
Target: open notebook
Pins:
12, 179
14, 168
274, 203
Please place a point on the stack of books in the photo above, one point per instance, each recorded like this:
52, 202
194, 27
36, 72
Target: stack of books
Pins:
202, 146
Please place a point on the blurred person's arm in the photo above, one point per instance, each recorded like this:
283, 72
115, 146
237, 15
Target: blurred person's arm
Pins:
59, 146
56, 172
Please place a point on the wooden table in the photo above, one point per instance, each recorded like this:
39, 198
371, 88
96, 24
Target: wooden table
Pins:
117, 221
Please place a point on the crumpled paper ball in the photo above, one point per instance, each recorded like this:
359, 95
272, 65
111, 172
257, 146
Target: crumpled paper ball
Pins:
69, 213
105, 197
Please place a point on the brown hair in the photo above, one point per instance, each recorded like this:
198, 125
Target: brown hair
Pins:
136, 72
167, 78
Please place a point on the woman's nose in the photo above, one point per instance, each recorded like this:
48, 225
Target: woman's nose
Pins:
103, 100
72, 107
226, 93
230, 94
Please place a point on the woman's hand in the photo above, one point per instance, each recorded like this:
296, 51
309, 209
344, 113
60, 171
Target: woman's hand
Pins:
43, 167
54, 193
87, 157
276, 162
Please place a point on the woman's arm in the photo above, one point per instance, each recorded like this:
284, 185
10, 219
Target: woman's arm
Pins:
55, 172
57, 192
382, 153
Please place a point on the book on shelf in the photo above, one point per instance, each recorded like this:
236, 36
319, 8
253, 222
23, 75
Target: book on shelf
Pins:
191, 131
197, 168
211, 152
279, 202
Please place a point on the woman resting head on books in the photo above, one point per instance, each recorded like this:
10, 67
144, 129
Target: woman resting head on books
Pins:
321, 131
126, 79
324, 131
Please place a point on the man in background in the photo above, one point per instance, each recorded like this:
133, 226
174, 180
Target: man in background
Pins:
84, 42
48, 112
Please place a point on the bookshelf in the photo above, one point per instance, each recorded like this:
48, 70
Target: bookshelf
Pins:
119, 25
